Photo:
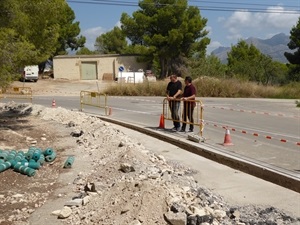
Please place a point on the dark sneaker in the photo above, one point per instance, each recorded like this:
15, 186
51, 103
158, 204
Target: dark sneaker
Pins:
174, 129
190, 131
182, 130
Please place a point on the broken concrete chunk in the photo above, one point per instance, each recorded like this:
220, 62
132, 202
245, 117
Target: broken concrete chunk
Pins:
176, 218
135, 222
126, 168
85, 200
90, 187
74, 202
56, 212
76, 133
121, 144
65, 212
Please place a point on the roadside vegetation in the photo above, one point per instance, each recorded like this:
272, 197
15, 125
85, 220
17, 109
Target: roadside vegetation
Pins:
210, 87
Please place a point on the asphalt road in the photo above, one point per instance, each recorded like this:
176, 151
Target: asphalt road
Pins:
267, 130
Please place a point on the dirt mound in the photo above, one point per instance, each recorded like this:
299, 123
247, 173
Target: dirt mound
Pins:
112, 181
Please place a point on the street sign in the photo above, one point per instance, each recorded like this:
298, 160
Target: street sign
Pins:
121, 68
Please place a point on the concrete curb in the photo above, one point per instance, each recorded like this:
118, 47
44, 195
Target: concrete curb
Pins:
285, 178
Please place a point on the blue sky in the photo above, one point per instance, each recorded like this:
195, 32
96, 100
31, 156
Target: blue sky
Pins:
228, 21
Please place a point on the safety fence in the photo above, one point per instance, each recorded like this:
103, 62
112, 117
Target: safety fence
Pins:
185, 109
17, 93
94, 99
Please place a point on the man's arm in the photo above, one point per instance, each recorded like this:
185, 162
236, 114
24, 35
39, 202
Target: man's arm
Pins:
177, 93
190, 97
193, 92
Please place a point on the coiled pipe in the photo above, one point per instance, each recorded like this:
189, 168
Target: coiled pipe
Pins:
36, 154
28, 155
48, 151
4, 166
50, 158
41, 159
24, 170
4, 154
69, 162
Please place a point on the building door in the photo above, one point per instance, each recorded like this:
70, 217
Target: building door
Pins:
89, 71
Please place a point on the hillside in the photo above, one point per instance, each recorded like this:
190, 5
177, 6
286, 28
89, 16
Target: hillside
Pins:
274, 47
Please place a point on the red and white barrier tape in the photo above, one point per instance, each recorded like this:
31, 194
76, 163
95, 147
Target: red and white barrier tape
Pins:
251, 133
256, 112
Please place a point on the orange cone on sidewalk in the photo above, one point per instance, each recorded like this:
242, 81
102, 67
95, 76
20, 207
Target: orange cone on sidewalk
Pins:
227, 139
53, 103
162, 122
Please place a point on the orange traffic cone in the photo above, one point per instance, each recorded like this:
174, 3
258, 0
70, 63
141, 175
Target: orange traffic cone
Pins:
53, 103
162, 122
227, 139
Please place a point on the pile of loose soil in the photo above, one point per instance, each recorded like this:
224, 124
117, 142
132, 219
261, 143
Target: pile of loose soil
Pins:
113, 180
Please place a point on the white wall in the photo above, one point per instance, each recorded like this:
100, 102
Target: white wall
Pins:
69, 67
131, 77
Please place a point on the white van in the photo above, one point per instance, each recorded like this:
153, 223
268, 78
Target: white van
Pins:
31, 73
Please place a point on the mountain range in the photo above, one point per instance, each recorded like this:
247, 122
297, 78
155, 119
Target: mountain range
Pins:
274, 47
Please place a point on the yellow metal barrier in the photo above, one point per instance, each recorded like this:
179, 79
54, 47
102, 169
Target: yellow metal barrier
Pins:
197, 113
17, 93
95, 99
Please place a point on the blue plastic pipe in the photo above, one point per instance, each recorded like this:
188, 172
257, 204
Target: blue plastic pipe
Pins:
48, 151
36, 154
50, 158
33, 164
41, 159
24, 170
69, 162
4, 154
4, 166
19, 157
28, 155
11, 155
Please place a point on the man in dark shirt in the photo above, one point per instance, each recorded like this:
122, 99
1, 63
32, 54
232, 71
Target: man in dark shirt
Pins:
174, 90
188, 97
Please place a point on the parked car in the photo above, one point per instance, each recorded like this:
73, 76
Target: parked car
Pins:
31, 73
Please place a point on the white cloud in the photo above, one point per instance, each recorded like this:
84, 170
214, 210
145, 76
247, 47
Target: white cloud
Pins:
91, 34
212, 46
282, 19
215, 44
221, 19
276, 19
118, 24
209, 29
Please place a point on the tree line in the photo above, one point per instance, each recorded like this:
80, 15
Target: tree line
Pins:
169, 35
32, 31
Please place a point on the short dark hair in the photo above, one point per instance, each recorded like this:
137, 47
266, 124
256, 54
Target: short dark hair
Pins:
189, 79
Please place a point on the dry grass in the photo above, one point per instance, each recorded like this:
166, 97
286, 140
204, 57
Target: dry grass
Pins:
140, 89
209, 87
